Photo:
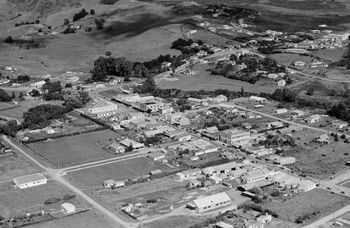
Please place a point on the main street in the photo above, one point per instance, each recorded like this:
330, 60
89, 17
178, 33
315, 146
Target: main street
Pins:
56, 175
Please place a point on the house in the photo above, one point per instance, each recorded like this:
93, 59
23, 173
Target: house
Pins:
234, 137
116, 148
284, 160
194, 184
37, 85
113, 184
275, 124
258, 99
29, 181
211, 202
223, 225
68, 208
313, 118
282, 83
189, 174
156, 156
258, 151
299, 63
246, 125
272, 76
155, 172
339, 124
183, 137
228, 155
323, 139
254, 224
264, 218
298, 113
281, 110
177, 119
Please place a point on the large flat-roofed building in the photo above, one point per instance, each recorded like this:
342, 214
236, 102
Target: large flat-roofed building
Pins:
153, 106
234, 137
211, 202
103, 109
30, 180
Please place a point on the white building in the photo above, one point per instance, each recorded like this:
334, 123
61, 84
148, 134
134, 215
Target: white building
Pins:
281, 83
103, 109
37, 85
68, 208
211, 202
234, 137
189, 174
258, 99
281, 110
153, 106
30, 180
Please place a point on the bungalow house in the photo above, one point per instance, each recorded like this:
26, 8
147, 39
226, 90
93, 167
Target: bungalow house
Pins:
258, 99
323, 139
133, 143
264, 218
281, 110
156, 156
298, 113
113, 184
211, 202
116, 148
313, 119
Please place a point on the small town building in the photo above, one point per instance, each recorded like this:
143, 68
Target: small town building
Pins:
189, 174
116, 148
339, 124
155, 172
264, 218
30, 180
281, 110
133, 143
156, 156
234, 137
223, 225
258, 99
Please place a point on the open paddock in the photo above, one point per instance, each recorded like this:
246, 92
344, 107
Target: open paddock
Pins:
76, 149
129, 169
18, 201
14, 166
206, 81
319, 201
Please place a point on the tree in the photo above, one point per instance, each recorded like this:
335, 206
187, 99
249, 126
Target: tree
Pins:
66, 21
242, 91
35, 93
13, 95
80, 15
100, 23
4, 97
92, 12
129, 148
310, 91
21, 96
69, 85
8, 40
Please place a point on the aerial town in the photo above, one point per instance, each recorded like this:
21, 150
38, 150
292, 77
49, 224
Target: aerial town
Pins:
177, 114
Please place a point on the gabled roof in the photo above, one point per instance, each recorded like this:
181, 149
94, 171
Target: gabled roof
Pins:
29, 178
210, 200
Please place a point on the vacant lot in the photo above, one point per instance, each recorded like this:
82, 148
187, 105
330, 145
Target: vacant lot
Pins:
319, 201
77, 149
332, 55
12, 166
204, 80
339, 75
16, 201
133, 168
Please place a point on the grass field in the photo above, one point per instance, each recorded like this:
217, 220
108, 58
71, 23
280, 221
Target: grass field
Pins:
321, 161
332, 55
11, 167
176, 222
76, 149
340, 75
16, 201
90, 219
94, 177
204, 80
319, 201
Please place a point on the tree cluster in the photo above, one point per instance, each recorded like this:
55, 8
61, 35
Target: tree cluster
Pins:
284, 94
80, 15
52, 90
340, 111
21, 79
40, 116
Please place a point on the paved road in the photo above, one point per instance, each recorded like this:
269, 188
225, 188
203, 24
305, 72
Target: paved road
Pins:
54, 174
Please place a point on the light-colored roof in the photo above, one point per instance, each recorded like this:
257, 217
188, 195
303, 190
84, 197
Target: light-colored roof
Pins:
29, 178
211, 200
68, 207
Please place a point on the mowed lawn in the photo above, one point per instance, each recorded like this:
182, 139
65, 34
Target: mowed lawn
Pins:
123, 170
77, 149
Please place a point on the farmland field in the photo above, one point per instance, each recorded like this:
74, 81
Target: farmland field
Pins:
122, 170
204, 80
77, 149
319, 201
